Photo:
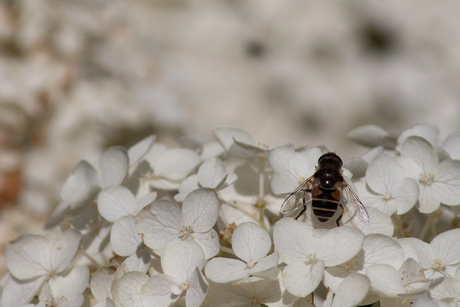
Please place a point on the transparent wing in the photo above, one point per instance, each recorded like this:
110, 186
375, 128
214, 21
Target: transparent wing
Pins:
353, 207
296, 198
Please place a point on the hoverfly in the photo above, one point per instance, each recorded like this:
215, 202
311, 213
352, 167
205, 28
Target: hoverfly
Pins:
324, 189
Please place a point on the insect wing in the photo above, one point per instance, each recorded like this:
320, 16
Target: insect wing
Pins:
297, 198
353, 207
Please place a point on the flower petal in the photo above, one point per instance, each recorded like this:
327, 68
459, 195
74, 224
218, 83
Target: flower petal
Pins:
209, 242
294, 240
157, 291
447, 182
352, 290
383, 173
222, 270
124, 237
113, 166
138, 150
179, 259
200, 209
115, 202
159, 223
101, 282
129, 289
302, 279
339, 245
446, 246
198, 288
421, 151
385, 279
212, 173
83, 175
250, 242
176, 163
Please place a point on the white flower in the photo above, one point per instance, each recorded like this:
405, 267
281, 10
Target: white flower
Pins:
379, 223
251, 244
307, 252
129, 287
438, 182
377, 249
358, 165
439, 258
182, 263
101, 283
33, 259
65, 290
211, 174
169, 166
386, 187
163, 222
408, 282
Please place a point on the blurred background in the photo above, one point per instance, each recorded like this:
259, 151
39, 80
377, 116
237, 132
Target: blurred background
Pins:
79, 76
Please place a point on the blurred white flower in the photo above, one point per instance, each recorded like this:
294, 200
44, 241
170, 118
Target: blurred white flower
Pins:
34, 259
65, 290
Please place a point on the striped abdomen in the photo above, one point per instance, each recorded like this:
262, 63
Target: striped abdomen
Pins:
325, 203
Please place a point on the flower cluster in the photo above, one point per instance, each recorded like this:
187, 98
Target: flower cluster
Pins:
200, 226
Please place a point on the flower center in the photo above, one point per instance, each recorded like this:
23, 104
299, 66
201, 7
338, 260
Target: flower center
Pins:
351, 265
426, 178
186, 232
312, 260
438, 265
387, 197
250, 264
184, 286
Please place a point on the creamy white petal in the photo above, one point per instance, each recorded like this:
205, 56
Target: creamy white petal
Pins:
385, 279
383, 173
115, 202
176, 163
212, 173
180, 259
113, 166
421, 151
209, 242
157, 291
129, 289
124, 237
200, 210
294, 240
159, 223
138, 150
223, 270
446, 246
352, 291
301, 278
339, 245
101, 282
83, 175
250, 242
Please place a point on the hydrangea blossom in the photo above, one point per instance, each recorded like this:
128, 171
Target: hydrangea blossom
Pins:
163, 222
142, 251
308, 252
386, 187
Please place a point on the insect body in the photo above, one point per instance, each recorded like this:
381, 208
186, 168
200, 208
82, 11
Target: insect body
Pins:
325, 188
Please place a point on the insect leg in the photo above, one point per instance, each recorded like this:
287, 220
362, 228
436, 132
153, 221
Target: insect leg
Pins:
304, 206
341, 215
